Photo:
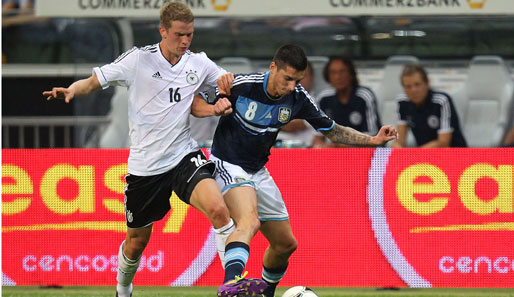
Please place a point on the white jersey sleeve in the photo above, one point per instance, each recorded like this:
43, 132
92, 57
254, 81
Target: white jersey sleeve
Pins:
213, 73
120, 72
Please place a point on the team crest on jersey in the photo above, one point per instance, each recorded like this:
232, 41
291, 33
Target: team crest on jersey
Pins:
433, 122
192, 78
284, 114
355, 118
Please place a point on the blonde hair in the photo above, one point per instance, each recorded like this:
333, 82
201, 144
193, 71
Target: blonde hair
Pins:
175, 11
412, 68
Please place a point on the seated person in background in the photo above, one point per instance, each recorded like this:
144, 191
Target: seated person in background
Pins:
298, 129
430, 114
349, 104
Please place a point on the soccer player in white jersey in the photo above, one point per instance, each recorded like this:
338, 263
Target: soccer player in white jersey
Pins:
162, 80
263, 103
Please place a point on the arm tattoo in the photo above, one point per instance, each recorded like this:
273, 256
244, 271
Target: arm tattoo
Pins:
347, 135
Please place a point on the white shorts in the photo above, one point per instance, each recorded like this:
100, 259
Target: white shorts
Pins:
270, 205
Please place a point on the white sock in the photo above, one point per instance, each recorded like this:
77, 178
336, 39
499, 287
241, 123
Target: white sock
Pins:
126, 270
124, 291
221, 235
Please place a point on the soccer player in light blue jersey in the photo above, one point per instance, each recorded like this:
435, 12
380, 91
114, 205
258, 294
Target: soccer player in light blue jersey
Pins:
262, 103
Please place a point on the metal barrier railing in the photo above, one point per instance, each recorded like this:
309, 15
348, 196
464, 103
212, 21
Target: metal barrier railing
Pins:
72, 129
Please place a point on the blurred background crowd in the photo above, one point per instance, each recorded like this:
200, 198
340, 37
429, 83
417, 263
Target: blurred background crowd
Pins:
441, 80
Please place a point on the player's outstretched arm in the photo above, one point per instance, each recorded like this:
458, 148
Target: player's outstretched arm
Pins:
79, 88
200, 108
350, 136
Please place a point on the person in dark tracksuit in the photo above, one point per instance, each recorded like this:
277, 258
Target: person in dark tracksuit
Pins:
430, 114
348, 103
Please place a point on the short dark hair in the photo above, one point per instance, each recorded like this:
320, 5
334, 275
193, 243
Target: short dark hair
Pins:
346, 61
412, 68
290, 55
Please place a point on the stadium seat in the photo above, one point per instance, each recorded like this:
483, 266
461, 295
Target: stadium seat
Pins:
390, 87
460, 100
388, 90
318, 63
117, 133
489, 89
236, 64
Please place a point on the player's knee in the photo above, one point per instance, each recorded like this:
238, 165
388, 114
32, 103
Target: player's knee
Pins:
287, 247
255, 225
135, 246
218, 214
294, 246
249, 224
291, 246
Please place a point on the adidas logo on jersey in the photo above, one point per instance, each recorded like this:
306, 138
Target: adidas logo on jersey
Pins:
157, 75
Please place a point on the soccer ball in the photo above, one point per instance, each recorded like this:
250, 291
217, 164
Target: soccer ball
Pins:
299, 291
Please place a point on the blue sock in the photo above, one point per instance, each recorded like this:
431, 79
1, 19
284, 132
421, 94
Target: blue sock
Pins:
272, 276
236, 256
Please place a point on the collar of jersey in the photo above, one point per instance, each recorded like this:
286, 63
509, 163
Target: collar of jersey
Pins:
266, 92
166, 60
428, 99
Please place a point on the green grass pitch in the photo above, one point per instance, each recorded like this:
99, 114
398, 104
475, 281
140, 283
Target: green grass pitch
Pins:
211, 292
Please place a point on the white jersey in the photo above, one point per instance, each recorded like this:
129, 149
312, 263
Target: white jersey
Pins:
160, 98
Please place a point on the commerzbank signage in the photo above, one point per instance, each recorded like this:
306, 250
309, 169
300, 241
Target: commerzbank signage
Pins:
243, 8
